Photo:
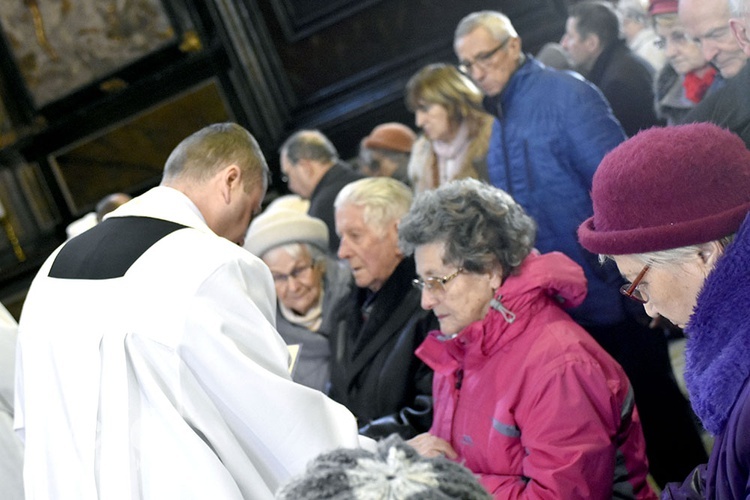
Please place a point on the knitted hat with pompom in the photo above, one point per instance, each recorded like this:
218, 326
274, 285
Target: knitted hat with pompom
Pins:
394, 472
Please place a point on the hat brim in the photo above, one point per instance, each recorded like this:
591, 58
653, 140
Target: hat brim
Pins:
279, 233
662, 237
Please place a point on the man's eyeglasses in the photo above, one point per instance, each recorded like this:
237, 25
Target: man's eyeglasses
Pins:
296, 273
433, 284
631, 290
482, 59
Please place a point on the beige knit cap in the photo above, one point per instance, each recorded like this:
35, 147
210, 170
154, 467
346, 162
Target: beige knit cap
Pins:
281, 226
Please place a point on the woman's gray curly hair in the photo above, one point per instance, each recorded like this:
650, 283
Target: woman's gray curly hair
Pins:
479, 224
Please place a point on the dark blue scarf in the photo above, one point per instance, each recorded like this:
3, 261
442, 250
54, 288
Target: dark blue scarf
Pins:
718, 348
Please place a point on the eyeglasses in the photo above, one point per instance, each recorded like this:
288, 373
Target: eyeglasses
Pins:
482, 59
296, 273
433, 284
676, 38
631, 290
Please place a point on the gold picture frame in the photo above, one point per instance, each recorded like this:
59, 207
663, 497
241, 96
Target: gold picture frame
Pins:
61, 46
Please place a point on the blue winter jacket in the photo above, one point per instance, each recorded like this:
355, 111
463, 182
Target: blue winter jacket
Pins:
551, 132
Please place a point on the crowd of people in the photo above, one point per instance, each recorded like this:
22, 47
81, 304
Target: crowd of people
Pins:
477, 310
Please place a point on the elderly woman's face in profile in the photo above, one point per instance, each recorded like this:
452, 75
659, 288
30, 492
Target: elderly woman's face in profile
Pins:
671, 289
297, 280
459, 301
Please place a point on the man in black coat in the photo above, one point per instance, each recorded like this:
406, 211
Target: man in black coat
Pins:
728, 107
374, 371
592, 40
314, 171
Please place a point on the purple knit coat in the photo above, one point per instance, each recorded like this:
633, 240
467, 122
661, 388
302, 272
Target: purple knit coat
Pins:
716, 373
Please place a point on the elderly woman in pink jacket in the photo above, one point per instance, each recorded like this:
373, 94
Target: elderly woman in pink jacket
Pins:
523, 396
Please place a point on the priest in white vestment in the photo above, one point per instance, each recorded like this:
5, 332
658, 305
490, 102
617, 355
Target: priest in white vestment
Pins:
148, 363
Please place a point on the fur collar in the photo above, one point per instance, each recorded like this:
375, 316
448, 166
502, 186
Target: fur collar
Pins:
718, 349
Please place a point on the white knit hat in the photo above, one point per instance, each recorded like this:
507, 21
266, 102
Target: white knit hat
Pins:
289, 202
280, 226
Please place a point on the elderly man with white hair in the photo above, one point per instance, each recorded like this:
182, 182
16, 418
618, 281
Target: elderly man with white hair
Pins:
374, 371
721, 28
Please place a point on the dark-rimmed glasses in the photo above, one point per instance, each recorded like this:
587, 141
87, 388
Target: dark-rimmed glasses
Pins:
631, 290
434, 284
481, 60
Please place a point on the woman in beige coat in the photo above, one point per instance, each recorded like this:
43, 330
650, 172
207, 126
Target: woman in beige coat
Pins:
455, 129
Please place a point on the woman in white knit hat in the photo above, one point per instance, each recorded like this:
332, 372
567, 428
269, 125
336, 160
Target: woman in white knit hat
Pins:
309, 286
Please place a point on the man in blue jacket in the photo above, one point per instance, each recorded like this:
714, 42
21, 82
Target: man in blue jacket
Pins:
551, 132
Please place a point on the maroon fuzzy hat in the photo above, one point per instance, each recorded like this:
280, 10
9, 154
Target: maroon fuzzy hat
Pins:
668, 188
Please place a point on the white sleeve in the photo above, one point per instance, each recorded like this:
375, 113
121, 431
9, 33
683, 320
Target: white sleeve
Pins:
11, 456
244, 368
8, 336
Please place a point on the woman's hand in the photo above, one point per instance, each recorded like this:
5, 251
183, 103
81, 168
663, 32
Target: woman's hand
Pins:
431, 446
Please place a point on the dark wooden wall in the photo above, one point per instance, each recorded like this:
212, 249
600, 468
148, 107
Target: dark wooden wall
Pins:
348, 70
272, 65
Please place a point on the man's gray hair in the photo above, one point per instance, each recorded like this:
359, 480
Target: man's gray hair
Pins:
480, 226
497, 23
385, 200
309, 145
739, 8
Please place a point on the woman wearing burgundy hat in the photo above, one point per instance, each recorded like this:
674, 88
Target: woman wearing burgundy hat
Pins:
670, 208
